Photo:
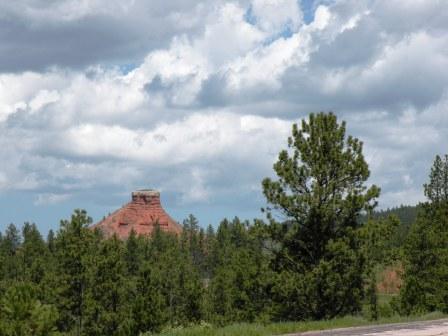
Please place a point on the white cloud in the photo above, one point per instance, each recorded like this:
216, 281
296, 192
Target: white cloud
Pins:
322, 17
227, 35
42, 99
198, 191
265, 66
206, 100
276, 16
198, 137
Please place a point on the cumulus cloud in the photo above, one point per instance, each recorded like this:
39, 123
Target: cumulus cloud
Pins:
37, 35
276, 16
196, 98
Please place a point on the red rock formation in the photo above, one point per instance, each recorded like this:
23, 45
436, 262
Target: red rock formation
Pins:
142, 215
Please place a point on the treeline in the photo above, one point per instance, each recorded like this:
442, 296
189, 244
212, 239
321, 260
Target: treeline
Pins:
312, 258
406, 214
76, 283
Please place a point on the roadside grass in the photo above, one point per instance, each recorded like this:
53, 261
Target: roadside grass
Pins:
385, 298
255, 329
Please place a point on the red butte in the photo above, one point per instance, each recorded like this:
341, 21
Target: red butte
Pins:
142, 215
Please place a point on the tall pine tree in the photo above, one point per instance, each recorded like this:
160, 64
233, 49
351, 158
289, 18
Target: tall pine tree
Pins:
313, 210
74, 243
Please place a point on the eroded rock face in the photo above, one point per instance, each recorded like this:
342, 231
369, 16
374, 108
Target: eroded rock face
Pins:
142, 215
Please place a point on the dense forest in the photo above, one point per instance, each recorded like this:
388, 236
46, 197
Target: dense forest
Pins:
315, 255
407, 214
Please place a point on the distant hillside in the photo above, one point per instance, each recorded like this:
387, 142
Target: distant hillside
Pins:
405, 213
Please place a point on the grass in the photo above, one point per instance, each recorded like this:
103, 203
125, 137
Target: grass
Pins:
385, 298
255, 329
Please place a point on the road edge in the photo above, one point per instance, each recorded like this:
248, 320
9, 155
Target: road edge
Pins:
365, 327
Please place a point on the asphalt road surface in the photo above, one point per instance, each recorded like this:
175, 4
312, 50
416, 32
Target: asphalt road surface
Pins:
426, 328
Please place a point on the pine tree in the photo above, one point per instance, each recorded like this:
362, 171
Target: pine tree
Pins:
149, 308
107, 290
210, 240
132, 254
33, 254
168, 285
437, 188
192, 241
425, 278
50, 241
8, 249
238, 290
21, 314
74, 243
319, 194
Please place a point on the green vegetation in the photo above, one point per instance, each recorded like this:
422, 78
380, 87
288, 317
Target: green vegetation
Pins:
320, 193
279, 328
406, 214
425, 285
313, 259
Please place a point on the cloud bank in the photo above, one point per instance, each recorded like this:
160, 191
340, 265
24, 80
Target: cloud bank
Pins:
196, 98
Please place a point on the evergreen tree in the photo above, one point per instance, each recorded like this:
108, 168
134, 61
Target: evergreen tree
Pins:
33, 254
50, 241
8, 249
320, 192
132, 254
168, 285
210, 240
106, 293
190, 237
238, 290
182, 287
425, 258
437, 188
149, 309
74, 243
21, 314
425, 278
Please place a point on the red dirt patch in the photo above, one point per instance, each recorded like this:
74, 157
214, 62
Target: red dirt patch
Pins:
390, 280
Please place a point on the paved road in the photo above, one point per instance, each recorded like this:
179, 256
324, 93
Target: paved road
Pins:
427, 328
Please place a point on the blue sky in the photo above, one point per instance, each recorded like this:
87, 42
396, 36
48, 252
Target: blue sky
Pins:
196, 98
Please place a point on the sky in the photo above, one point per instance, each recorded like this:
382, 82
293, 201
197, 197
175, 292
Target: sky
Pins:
196, 98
